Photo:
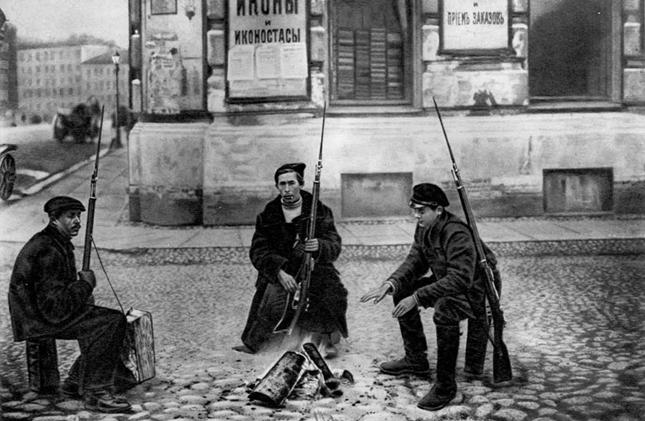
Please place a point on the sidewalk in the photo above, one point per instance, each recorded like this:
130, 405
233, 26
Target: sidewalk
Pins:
20, 219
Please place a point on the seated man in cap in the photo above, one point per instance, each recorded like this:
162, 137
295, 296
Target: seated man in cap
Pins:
277, 251
444, 245
48, 299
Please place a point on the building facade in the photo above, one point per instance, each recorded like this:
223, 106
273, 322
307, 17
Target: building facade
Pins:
8, 69
98, 79
229, 90
52, 77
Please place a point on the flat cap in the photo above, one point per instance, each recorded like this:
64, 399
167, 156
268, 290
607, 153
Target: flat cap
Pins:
427, 194
297, 167
63, 203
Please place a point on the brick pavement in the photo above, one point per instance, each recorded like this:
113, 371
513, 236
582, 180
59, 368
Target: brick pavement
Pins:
574, 324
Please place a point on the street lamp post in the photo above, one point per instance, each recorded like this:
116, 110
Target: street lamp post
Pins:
117, 140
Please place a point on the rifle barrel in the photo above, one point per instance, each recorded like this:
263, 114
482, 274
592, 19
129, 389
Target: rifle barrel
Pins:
308, 264
502, 370
91, 204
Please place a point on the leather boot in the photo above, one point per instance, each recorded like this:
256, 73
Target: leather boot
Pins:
406, 365
415, 346
476, 343
445, 387
103, 401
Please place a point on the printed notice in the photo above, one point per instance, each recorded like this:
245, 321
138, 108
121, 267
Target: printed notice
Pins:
240, 62
276, 64
267, 61
480, 25
294, 61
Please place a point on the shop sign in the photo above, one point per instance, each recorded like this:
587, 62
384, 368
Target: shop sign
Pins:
475, 26
267, 49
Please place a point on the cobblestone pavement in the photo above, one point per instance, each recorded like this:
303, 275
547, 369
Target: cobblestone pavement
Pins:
574, 330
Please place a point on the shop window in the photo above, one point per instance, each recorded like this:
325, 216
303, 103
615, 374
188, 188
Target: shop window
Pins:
369, 44
570, 48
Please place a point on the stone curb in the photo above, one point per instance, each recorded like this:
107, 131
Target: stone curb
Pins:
51, 179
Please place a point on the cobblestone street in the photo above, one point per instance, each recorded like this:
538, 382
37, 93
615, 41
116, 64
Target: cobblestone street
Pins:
574, 330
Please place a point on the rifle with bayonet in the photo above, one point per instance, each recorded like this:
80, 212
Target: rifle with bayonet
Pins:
298, 301
501, 361
91, 204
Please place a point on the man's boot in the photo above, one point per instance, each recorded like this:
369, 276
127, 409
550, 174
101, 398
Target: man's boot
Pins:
414, 342
103, 400
445, 387
70, 387
476, 342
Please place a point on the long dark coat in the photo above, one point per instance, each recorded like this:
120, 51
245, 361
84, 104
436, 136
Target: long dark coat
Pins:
274, 247
45, 294
446, 249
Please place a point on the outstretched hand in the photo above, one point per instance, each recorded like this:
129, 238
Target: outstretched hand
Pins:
377, 294
405, 305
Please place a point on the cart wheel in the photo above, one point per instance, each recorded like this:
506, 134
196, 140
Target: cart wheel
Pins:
7, 176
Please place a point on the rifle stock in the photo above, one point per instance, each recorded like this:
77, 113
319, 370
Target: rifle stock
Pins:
298, 302
91, 204
502, 370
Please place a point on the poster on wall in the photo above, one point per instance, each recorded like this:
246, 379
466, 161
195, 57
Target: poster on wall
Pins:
472, 26
172, 63
267, 49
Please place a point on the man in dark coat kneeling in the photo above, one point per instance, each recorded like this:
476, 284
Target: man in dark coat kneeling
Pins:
48, 299
277, 251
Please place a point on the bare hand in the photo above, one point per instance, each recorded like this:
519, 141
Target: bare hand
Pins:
287, 281
404, 306
312, 246
377, 294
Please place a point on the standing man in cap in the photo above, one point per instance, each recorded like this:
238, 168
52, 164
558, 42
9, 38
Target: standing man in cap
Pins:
277, 251
444, 245
49, 299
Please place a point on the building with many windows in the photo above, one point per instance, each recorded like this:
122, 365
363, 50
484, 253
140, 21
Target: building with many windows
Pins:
99, 80
8, 69
51, 77
230, 90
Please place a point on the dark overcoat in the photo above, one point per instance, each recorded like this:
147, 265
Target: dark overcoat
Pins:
277, 245
45, 294
447, 249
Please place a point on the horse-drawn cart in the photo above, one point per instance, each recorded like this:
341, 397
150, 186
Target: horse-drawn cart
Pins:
80, 122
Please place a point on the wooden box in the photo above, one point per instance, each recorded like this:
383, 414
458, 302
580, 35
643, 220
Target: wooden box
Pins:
42, 365
139, 345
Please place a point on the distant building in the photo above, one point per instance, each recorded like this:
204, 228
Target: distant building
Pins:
52, 77
99, 79
8, 69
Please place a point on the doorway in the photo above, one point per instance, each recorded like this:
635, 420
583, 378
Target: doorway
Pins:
370, 52
572, 54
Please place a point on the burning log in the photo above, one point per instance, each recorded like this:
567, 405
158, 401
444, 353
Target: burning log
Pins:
280, 380
289, 371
